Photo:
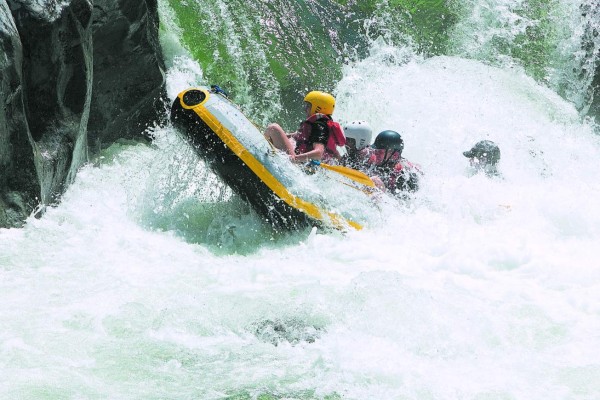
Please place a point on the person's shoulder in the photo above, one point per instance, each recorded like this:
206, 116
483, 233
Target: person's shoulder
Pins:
320, 124
321, 118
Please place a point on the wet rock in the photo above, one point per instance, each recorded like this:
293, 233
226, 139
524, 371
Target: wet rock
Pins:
129, 84
71, 73
17, 170
57, 77
13, 210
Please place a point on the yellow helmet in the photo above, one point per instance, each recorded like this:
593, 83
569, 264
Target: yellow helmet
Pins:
321, 102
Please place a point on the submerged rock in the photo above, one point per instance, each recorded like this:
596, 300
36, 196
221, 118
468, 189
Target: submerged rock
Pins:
291, 330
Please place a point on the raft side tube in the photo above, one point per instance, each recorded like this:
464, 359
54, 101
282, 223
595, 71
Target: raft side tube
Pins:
230, 168
196, 114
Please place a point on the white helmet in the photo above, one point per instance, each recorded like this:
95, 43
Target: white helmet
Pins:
361, 132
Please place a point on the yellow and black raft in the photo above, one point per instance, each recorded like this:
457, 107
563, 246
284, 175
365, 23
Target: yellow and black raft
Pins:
235, 149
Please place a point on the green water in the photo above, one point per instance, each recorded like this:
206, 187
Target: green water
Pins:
269, 53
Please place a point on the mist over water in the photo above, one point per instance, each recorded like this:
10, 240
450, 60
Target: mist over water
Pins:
556, 42
153, 281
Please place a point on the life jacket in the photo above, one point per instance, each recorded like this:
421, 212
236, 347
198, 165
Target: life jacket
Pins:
404, 177
336, 136
397, 174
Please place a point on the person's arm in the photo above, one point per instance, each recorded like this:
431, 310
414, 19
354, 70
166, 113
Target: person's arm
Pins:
276, 135
315, 154
378, 183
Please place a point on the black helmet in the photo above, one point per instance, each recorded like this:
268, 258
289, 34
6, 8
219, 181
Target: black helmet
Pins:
486, 151
389, 140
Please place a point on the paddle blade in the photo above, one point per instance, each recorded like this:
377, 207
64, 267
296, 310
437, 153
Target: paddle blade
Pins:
350, 173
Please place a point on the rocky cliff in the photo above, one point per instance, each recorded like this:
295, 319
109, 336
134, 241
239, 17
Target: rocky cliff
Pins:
74, 76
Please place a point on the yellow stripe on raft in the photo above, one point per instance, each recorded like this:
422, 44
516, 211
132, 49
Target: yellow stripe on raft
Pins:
256, 166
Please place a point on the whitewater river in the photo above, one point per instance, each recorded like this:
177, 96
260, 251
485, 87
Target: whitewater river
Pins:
149, 281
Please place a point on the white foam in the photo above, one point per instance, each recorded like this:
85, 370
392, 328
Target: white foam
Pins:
480, 288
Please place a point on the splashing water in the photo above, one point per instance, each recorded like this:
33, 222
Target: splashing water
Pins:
556, 41
151, 281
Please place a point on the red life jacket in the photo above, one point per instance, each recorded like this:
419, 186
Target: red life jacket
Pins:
398, 168
336, 136
405, 170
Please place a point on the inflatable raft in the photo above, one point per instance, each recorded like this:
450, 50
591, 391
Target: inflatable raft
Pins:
236, 150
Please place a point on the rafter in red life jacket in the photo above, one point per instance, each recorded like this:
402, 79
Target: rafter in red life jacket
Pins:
336, 136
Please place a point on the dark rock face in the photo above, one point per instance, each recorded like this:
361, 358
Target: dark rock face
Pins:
18, 180
57, 76
128, 66
71, 73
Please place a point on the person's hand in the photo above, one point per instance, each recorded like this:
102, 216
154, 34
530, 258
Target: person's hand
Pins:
293, 158
378, 182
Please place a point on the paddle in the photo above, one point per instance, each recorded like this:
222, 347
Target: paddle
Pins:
350, 173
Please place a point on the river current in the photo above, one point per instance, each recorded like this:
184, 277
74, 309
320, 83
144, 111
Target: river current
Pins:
152, 281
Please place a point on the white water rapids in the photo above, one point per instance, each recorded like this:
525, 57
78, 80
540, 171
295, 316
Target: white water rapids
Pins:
142, 285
